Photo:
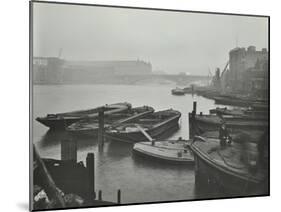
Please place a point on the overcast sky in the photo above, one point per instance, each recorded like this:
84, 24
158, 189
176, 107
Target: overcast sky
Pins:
172, 41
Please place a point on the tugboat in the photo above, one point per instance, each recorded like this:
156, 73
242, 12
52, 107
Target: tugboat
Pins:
178, 92
233, 170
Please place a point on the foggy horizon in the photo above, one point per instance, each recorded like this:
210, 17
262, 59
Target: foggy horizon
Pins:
172, 42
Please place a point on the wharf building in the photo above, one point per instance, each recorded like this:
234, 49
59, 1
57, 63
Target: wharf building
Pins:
47, 70
248, 72
51, 70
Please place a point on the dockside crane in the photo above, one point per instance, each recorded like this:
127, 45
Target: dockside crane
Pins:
225, 68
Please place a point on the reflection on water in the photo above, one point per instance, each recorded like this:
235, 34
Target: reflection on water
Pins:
117, 167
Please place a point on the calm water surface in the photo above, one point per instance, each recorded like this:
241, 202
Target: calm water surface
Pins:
116, 167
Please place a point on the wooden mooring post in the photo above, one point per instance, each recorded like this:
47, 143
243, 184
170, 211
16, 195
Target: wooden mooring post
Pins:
90, 164
69, 150
100, 195
101, 129
146, 134
194, 108
119, 196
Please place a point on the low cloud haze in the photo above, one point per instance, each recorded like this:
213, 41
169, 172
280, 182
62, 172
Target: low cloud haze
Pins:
172, 41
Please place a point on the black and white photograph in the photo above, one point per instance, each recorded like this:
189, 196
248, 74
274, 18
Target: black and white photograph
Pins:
132, 105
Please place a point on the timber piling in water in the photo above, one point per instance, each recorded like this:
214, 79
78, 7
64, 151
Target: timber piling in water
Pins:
194, 108
101, 129
69, 150
90, 164
119, 196
100, 195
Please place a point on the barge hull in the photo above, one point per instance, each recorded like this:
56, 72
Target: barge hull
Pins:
221, 182
161, 131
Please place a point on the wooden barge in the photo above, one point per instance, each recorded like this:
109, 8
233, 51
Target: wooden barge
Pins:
241, 101
157, 125
245, 113
199, 124
231, 171
89, 127
63, 120
172, 151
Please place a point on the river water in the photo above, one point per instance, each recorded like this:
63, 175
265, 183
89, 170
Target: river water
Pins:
116, 168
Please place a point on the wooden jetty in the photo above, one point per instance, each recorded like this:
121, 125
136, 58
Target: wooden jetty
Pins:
91, 127
242, 112
157, 125
233, 170
170, 151
260, 106
199, 123
64, 183
63, 120
226, 111
202, 123
241, 101
178, 92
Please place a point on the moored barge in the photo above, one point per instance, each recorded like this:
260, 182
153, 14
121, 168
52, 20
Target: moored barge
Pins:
63, 120
199, 124
89, 127
157, 125
230, 171
246, 113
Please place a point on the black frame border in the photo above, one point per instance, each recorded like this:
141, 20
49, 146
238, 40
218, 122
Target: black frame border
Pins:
31, 2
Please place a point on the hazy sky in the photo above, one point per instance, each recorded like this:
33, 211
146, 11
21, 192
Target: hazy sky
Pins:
172, 41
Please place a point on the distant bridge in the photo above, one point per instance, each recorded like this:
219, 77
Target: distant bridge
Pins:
178, 79
130, 79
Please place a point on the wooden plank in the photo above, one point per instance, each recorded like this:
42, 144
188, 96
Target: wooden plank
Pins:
144, 133
50, 188
69, 150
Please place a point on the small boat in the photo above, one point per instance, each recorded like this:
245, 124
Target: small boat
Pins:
157, 125
89, 127
199, 124
232, 170
63, 120
172, 151
178, 92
